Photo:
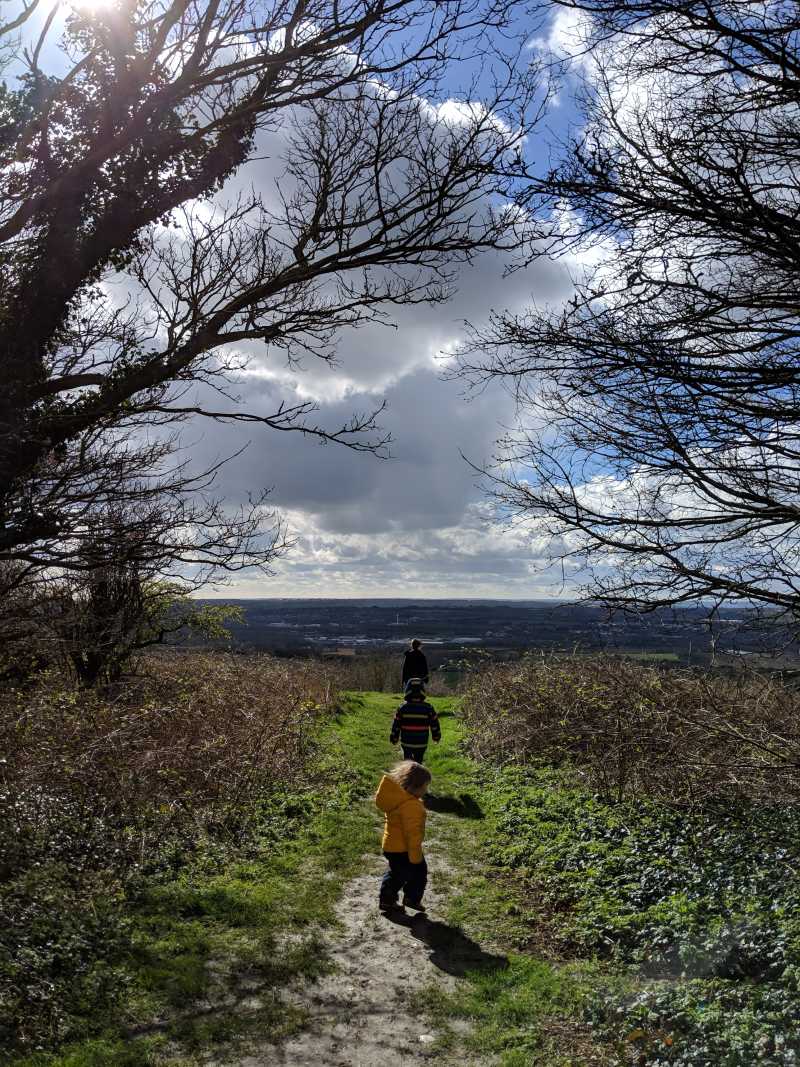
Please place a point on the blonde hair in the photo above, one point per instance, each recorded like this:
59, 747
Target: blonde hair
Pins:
410, 775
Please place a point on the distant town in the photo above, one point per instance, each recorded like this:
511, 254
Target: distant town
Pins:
451, 628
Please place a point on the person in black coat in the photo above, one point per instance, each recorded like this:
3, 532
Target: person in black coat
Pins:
414, 663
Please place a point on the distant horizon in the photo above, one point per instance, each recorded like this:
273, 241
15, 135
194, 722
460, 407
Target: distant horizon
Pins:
556, 601
411, 600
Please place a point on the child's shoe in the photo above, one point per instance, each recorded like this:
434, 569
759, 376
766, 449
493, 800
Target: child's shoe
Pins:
388, 904
414, 905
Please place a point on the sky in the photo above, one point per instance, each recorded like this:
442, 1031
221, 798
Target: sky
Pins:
418, 523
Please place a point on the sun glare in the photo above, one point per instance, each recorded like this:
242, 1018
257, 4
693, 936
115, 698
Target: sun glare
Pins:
88, 6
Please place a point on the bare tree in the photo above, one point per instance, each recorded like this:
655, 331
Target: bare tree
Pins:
96, 621
110, 177
658, 439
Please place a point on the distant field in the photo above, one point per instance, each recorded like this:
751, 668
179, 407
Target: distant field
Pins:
672, 657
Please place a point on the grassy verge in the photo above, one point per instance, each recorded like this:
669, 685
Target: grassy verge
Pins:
521, 1004
626, 933
211, 949
652, 818
696, 911
195, 949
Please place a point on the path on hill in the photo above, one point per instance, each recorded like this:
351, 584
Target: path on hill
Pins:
364, 1013
370, 1010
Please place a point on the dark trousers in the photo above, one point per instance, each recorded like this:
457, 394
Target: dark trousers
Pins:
403, 874
417, 754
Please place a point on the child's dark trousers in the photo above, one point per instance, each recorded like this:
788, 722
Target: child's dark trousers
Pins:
402, 874
417, 754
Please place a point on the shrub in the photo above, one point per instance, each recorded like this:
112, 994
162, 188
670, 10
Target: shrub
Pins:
652, 815
99, 794
634, 729
380, 673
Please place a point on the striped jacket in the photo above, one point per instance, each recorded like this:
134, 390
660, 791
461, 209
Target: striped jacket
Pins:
412, 721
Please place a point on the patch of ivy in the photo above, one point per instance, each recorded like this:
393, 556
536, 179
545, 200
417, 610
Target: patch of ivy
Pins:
703, 902
706, 1023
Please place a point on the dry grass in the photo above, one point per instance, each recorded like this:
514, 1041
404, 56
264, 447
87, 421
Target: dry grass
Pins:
631, 729
198, 737
380, 673
110, 802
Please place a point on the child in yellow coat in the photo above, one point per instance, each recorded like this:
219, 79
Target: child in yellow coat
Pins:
399, 797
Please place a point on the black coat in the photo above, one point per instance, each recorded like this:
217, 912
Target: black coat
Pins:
414, 665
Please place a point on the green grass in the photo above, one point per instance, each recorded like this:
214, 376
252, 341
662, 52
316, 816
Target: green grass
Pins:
693, 907
519, 1007
205, 941
215, 944
513, 1013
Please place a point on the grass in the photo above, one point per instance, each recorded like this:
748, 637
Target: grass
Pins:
109, 803
212, 947
212, 951
519, 1007
692, 907
216, 942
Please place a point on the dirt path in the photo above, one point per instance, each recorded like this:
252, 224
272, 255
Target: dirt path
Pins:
365, 1012
369, 1009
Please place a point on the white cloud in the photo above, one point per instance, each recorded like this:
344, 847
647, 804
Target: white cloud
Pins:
568, 38
474, 558
415, 522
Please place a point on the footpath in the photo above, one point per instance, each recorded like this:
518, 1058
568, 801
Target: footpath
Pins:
438, 987
390, 976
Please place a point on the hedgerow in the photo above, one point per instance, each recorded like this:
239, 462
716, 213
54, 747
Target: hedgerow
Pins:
695, 898
205, 758
631, 730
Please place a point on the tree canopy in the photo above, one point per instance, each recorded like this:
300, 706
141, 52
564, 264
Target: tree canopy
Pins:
137, 278
658, 441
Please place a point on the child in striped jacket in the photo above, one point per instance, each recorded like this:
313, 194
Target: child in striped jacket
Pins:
414, 721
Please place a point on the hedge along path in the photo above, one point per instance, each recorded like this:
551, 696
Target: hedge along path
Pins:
370, 1009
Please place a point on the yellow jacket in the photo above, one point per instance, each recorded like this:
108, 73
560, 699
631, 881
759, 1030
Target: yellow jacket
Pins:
404, 825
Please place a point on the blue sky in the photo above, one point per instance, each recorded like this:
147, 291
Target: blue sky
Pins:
417, 524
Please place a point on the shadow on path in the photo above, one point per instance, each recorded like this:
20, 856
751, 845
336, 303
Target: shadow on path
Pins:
450, 948
464, 805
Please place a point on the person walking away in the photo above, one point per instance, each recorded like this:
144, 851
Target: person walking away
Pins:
399, 797
415, 665
414, 721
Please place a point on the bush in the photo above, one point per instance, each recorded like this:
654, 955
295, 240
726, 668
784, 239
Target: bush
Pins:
631, 729
98, 795
652, 815
380, 673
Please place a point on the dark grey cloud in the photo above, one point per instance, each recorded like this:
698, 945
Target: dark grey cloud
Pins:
415, 520
415, 523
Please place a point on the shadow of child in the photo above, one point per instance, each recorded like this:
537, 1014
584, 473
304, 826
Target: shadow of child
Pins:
464, 806
450, 948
